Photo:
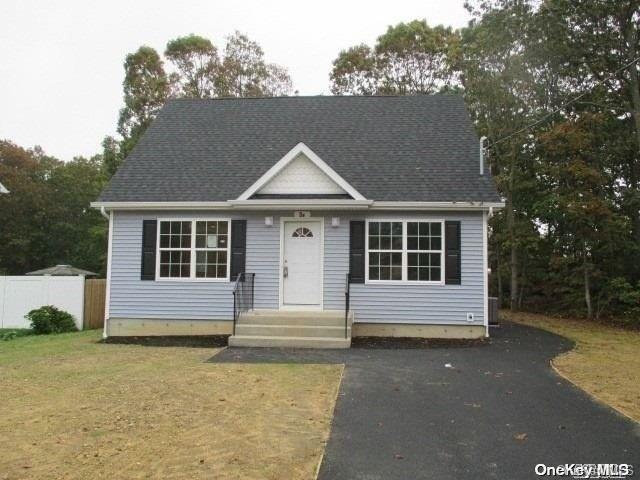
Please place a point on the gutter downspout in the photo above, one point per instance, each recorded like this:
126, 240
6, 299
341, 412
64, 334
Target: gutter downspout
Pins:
103, 212
485, 268
485, 240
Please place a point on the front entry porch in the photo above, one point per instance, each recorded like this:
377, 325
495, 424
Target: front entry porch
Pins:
287, 328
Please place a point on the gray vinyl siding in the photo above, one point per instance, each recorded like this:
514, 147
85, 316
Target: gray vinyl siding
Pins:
263, 259
430, 304
131, 297
336, 263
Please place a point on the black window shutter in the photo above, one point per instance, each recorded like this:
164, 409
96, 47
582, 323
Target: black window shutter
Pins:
452, 275
238, 247
148, 264
356, 251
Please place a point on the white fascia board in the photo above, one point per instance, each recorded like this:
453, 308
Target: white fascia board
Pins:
162, 205
436, 205
284, 161
267, 204
309, 204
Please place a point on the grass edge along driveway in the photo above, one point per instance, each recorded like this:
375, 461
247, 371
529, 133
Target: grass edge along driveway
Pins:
77, 408
605, 361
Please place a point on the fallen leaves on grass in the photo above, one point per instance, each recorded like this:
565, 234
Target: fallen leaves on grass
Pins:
91, 410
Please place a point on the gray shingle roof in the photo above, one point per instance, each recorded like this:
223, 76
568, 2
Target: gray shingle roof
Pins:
409, 148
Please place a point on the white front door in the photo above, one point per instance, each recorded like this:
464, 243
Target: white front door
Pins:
301, 269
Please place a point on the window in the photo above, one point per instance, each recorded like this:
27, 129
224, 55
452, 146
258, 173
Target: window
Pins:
211, 249
302, 232
385, 250
424, 251
194, 249
175, 249
409, 251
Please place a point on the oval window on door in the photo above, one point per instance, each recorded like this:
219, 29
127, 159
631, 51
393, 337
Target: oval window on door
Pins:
302, 232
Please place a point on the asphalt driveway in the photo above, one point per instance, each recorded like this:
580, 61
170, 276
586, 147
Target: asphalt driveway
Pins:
485, 411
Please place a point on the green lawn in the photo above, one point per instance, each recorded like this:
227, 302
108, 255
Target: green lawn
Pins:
76, 408
605, 361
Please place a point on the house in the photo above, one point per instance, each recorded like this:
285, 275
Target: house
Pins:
301, 221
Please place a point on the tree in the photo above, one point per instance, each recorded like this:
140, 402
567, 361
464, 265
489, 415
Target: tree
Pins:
502, 93
111, 155
46, 219
245, 73
145, 89
77, 233
277, 83
354, 72
414, 58
584, 226
197, 66
550, 84
23, 211
408, 58
602, 48
197, 73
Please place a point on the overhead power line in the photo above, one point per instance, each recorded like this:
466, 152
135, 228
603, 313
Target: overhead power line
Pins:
564, 105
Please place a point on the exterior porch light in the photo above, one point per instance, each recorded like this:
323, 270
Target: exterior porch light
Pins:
268, 221
335, 222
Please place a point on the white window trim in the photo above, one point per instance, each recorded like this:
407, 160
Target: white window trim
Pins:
405, 280
192, 277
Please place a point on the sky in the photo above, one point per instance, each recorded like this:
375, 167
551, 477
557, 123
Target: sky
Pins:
61, 61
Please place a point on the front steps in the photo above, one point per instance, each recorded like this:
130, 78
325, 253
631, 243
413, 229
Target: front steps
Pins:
299, 329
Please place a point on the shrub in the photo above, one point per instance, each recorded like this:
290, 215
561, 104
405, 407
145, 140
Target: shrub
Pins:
49, 319
620, 299
10, 334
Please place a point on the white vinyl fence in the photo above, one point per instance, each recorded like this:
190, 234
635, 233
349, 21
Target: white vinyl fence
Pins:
19, 295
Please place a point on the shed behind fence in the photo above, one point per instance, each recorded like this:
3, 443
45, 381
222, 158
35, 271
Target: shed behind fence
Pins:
94, 298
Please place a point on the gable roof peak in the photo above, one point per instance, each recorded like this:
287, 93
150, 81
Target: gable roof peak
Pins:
284, 162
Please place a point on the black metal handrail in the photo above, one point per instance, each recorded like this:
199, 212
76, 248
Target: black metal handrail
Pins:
243, 293
347, 301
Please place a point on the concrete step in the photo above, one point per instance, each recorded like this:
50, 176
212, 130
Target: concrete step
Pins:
332, 318
277, 330
296, 313
288, 342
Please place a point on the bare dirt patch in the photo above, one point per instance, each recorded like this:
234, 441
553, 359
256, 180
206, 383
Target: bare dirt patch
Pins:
605, 361
76, 408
